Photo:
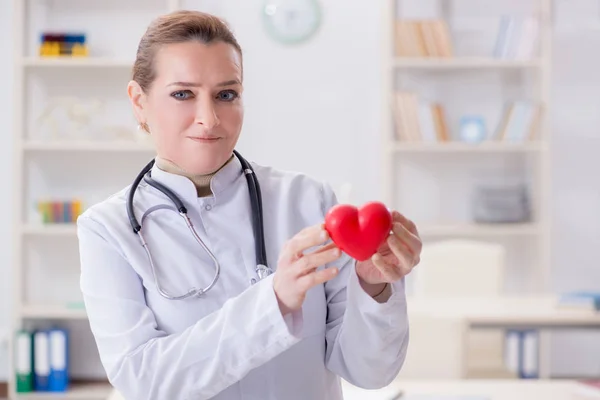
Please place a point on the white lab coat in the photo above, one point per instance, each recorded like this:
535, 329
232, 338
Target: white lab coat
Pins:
233, 343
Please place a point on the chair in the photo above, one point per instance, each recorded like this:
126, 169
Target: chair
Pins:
448, 269
460, 268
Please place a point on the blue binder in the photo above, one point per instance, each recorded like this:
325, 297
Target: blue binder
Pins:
59, 360
530, 350
41, 361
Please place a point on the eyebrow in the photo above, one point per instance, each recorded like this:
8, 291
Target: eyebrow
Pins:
194, 84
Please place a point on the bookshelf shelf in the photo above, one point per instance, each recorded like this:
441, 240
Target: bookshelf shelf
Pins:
50, 230
457, 147
480, 230
88, 146
52, 312
82, 62
463, 63
78, 391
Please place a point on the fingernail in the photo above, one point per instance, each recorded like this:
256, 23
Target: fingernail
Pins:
335, 252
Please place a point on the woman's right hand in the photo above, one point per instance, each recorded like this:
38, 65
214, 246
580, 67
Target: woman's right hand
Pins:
297, 271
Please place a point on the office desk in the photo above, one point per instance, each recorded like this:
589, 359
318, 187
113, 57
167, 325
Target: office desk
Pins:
507, 312
477, 389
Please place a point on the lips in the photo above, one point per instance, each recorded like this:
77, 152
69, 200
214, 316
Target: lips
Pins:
204, 139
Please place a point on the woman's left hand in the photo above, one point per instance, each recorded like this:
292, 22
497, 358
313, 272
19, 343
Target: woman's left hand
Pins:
396, 257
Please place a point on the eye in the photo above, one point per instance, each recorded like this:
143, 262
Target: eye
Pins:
182, 94
227, 95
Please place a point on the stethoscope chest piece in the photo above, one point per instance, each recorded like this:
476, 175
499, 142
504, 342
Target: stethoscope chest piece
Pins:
263, 271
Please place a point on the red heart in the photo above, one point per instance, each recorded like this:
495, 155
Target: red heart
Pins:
359, 233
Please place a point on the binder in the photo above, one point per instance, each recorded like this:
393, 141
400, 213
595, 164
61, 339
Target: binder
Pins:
41, 362
530, 368
24, 361
59, 356
512, 352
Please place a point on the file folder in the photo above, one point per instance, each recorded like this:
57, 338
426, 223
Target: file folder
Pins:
59, 360
41, 362
24, 361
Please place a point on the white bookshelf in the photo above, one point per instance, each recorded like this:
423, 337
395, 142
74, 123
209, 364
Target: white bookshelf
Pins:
427, 159
53, 167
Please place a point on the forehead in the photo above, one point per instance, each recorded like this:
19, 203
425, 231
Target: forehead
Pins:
197, 62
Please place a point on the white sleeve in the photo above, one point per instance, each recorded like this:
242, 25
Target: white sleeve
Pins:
144, 363
366, 340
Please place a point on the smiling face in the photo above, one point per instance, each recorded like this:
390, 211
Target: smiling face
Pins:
193, 108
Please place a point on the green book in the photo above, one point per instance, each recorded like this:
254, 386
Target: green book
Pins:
24, 361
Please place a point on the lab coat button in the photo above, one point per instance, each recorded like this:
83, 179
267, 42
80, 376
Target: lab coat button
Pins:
252, 281
208, 207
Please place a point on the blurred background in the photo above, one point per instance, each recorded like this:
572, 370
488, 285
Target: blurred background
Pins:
477, 119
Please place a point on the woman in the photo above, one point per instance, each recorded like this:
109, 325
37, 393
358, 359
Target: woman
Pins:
292, 335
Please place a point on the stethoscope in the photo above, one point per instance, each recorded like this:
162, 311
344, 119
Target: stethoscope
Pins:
262, 269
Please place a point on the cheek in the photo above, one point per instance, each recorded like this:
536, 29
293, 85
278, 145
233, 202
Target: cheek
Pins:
231, 117
170, 115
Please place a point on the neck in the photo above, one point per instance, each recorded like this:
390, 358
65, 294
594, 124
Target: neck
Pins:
201, 181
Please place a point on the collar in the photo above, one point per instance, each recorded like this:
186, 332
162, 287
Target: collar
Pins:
184, 188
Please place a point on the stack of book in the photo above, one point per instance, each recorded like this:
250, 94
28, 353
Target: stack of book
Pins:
423, 38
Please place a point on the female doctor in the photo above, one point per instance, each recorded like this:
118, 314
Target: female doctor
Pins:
183, 298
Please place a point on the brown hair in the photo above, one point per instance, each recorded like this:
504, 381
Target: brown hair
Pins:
177, 27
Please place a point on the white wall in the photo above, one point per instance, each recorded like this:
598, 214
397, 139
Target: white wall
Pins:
315, 108
325, 120
576, 193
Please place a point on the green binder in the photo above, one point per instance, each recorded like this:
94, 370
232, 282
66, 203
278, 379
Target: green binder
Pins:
24, 361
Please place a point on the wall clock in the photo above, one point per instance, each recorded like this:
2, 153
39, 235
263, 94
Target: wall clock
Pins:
292, 21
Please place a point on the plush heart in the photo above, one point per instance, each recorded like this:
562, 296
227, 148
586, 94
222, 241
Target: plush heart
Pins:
359, 232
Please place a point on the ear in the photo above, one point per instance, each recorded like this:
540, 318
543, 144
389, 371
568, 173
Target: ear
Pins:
138, 101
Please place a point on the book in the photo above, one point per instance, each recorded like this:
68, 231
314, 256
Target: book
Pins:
580, 299
423, 38
517, 38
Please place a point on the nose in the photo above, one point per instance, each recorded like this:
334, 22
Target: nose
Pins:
206, 113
